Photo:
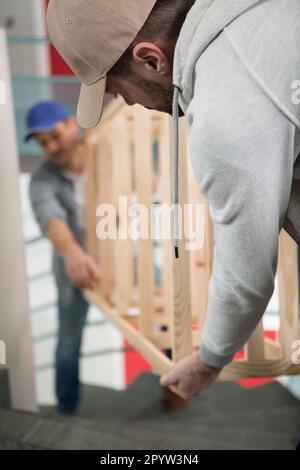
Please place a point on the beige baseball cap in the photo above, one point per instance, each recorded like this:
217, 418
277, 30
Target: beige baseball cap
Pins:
91, 36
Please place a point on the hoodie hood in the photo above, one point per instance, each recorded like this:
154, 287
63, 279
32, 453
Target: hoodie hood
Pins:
204, 22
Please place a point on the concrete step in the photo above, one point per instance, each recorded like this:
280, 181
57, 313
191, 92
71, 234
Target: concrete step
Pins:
27, 431
224, 417
144, 400
4, 388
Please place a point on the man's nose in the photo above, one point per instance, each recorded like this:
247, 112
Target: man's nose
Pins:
129, 103
52, 148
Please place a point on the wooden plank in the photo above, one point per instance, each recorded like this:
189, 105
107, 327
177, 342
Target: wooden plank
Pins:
255, 348
159, 361
165, 169
104, 192
91, 201
181, 318
122, 187
272, 349
143, 178
288, 294
265, 368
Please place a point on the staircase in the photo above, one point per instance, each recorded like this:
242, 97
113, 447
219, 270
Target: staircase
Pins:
224, 417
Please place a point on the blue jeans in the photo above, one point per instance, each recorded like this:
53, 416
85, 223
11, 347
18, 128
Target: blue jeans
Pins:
72, 313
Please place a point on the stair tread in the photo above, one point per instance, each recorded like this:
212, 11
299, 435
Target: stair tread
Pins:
143, 399
49, 433
4, 388
226, 416
44, 432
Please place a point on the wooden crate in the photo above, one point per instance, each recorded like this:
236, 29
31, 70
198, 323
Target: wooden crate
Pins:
168, 316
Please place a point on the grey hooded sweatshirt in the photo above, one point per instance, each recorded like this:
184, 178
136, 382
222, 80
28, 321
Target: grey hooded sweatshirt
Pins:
237, 78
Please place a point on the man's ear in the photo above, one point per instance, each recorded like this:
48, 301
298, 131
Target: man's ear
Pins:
151, 57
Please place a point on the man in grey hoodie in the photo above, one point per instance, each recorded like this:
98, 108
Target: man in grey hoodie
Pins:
232, 67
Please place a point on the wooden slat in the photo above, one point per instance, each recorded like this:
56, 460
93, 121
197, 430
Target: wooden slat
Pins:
165, 167
104, 191
123, 259
143, 178
265, 368
272, 349
181, 318
255, 348
288, 293
159, 361
91, 201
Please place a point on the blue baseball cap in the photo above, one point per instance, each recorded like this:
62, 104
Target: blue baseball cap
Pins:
44, 116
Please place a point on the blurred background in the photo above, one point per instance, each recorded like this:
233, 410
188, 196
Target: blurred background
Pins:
39, 73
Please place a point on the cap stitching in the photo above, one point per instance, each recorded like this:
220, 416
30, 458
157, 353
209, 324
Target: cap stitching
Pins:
113, 14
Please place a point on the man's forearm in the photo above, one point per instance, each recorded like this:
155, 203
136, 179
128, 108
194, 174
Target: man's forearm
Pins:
61, 237
80, 267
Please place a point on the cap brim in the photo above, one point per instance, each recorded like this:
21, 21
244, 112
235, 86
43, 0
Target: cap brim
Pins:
90, 104
38, 130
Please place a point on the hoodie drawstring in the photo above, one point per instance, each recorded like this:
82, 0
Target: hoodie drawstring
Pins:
176, 170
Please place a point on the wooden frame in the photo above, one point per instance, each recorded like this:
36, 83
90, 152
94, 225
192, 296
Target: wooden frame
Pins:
170, 315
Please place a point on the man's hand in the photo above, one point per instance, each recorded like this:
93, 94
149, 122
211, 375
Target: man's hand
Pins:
81, 268
189, 377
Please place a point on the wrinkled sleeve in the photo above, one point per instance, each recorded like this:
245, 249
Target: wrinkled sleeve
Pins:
246, 176
45, 203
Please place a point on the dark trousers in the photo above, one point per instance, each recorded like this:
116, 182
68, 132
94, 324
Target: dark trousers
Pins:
72, 312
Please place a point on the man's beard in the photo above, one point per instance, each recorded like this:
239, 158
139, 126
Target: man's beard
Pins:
62, 158
162, 98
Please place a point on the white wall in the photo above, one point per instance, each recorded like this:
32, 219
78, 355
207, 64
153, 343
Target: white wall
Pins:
15, 328
27, 18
